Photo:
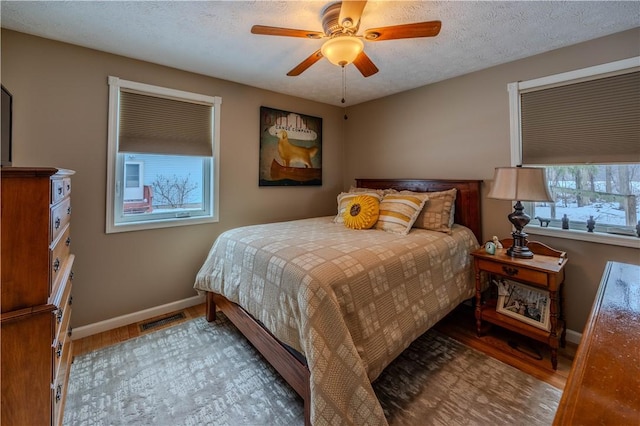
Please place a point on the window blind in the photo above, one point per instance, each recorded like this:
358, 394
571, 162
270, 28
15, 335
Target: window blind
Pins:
595, 121
156, 125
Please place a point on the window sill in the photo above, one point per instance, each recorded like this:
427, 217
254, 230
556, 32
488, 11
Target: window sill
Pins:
157, 224
572, 234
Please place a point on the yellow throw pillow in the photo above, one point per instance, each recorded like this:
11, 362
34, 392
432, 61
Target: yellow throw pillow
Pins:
345, 198
361, 212
399, 211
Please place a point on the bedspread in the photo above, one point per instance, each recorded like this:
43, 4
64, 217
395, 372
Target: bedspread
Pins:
349, 300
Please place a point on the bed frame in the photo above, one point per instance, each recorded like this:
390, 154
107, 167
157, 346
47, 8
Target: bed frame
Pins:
294, 370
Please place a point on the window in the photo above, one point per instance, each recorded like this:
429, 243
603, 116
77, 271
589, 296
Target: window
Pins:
163, 156
583, 127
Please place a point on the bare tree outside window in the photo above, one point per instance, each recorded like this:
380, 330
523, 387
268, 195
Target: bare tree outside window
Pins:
173, 191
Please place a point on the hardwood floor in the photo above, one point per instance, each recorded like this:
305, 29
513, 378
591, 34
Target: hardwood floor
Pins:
120, 334
460, 325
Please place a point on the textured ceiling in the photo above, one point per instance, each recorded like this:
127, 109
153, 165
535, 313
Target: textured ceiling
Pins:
213, 37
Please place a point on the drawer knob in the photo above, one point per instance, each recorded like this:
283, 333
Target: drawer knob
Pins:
59, 350
512, 272
59, 315
57, 223
59, 190
69, 210
56, 265
69, 331
68, 241
58, 393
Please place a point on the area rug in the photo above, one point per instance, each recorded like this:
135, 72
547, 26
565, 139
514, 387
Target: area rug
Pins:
199, 373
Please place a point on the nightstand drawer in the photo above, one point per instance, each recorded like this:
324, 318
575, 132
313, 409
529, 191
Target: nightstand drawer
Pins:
515, 272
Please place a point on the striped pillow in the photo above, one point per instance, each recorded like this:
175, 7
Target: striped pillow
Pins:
398, 212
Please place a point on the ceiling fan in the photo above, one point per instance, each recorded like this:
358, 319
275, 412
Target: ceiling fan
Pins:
340, 22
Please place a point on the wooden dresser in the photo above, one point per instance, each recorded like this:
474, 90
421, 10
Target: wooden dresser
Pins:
603, 387
36, 294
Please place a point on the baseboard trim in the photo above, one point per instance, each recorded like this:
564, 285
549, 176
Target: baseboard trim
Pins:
110, 324
574, 336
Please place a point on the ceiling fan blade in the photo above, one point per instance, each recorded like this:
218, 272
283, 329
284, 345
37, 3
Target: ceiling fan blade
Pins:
302, 66
365, 65
286, 32
351, 11
419, 29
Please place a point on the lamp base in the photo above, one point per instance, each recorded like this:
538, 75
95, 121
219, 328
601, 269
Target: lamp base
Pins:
519, 220
519, 248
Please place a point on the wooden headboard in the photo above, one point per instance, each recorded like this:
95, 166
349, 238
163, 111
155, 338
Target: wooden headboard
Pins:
467, 199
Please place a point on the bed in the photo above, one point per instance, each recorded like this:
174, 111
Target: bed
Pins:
330, 307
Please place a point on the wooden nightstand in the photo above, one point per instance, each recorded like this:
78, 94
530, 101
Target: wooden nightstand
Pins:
544, 272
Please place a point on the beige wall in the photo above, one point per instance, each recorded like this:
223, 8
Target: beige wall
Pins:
459, 128
60, 96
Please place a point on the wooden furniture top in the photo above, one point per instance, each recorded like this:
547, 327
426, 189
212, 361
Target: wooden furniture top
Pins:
604, 383
546, 259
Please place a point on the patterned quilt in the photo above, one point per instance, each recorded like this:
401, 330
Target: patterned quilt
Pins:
349, 300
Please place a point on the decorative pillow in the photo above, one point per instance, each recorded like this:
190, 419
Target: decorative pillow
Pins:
361, 212
437, 214
345, 197
399, 211
381, 192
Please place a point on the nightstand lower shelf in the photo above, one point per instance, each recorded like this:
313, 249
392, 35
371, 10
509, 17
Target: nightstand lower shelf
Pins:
554, 340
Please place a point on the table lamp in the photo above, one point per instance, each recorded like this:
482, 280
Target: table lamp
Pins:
520, 184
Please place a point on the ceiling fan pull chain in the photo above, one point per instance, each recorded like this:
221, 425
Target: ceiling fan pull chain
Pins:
344, 89
344, 83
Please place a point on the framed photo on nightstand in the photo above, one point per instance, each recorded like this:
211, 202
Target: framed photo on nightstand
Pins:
524, 303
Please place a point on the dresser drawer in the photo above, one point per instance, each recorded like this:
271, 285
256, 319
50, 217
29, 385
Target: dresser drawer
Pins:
515, 272
62, 342
59, 255
60, 347
59, 386
66, 185
63, 313
60, 217
57, 190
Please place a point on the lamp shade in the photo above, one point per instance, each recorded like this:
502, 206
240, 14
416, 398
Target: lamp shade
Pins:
342, 50
521, 184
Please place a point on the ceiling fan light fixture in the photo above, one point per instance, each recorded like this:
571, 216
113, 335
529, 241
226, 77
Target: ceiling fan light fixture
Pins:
342, 50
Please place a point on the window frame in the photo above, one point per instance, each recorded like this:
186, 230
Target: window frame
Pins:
515, 136
116, 162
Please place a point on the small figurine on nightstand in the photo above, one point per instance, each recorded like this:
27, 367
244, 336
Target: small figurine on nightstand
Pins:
497, 242
565, 222
490, 248
591, 223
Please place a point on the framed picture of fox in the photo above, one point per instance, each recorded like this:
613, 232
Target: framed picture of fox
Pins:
290, 148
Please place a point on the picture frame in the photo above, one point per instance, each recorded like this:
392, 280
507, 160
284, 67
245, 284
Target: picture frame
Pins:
290, 148
524, 303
